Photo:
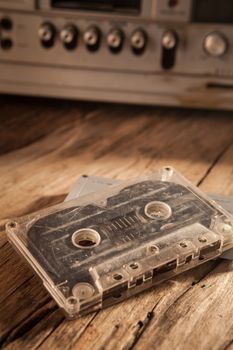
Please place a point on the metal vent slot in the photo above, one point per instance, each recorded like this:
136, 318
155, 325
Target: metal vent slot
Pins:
129, 6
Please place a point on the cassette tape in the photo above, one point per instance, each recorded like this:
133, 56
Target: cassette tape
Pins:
88, 184
99, 249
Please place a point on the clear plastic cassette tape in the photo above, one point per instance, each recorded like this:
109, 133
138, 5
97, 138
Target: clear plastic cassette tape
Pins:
99, 249
89, 184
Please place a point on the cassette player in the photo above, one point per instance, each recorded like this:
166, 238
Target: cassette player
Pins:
99, 249
169, 52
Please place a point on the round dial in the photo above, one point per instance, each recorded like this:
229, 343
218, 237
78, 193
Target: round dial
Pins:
47, 32
215, 44
115, 38
91, 36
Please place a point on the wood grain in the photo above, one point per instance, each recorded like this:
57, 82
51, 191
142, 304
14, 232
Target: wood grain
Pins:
44, 146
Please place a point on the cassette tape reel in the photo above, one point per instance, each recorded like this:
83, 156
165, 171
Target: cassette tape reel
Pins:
97, 250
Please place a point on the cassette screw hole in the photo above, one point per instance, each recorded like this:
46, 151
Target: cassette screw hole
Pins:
153, 249
133, 266
225, 228
72, 301
167, 173
202, 239
183, 245
117, 277
73, 304
86, 238
12, 224
158, 210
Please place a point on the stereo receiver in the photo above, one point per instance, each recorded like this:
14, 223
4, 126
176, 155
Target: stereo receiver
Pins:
167, 52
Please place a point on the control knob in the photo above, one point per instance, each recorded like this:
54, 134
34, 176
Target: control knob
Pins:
138, 41
47, 33
91, 38
115, 40
69, 36
215, 44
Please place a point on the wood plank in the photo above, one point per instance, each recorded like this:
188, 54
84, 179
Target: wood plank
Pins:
63, 140
30, 333
143, 139
119, 326
220, 178
200, 319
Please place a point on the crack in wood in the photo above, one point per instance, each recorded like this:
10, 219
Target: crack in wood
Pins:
17, 287
109, 336
28, 323
197, 282
4, 244
24, 145
214, 163
52, 331
73, 340
138, 330
173, 303
228, 345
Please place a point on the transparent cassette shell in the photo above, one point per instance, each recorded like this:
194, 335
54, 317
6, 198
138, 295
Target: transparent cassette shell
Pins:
89, 184
102, 248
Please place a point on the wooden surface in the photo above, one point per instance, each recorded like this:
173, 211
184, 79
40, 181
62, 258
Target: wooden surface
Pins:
44, 146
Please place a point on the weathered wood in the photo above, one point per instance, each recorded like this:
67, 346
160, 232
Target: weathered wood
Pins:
44, 146
119, 326
200, 319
